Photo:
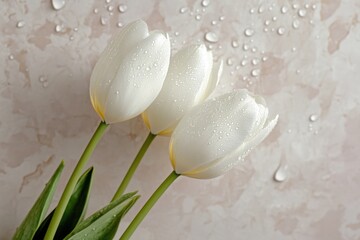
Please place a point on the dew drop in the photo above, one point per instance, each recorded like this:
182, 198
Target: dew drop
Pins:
267, 22
296, 24
302, 12
313, 118
264, 59
117, 92
284, 9
243, 62
245, 47
255, 61
110, 8
11, 57
96, 10
252, 11
58, 28
280, 174
58, 4
205, 3
261, 9
255, 72
211, 37
198, 17
213, 22
103, 21
281, 30
222, 18
183, 10
274, 19
229, 61
122, 8
119, 24
20, 24
235, 43
249, 32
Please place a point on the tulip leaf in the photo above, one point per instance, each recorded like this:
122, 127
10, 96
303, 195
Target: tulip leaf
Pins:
74, 212
28, 227
103, 224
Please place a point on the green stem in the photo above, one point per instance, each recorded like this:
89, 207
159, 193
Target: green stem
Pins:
72, 181
148, 205
125, 182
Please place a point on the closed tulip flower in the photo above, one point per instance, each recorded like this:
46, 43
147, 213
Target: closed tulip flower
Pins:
218, 134
191, 78
130, 73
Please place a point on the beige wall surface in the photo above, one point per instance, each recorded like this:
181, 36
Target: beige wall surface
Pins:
302, 183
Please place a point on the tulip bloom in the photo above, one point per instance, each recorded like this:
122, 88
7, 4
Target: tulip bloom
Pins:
218, 134
191, 78
130, 73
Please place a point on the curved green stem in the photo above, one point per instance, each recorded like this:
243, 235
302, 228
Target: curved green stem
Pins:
72, 181
125, 182
148, 205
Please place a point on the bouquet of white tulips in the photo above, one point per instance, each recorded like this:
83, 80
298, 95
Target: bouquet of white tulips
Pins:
136, 75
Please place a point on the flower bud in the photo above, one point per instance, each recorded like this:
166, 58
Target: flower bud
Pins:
130, 73
217, 134
191, 78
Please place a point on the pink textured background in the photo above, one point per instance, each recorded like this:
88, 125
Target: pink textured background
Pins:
46, 115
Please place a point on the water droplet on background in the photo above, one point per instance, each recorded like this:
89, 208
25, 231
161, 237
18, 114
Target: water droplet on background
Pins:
280, 174
182, 10
255, 72
11, 57
58, 4
281, 30
313, 118
302, 12
198, 17
296, 24
59, 28
122, 8
20, 24
284, 9
234, 43
205, 3
211, 37
103, 20
249, 32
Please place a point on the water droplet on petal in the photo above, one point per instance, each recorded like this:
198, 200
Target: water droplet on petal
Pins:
211, 37
58, 4
20, 24
122, 8
249, 32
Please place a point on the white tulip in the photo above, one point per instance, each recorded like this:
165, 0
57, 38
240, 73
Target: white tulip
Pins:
191, 78
216, 135
130, 73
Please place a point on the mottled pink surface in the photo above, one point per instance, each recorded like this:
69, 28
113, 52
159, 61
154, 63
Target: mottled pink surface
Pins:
304, 63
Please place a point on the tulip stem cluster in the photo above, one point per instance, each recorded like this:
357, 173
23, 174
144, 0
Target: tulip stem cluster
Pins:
125, 182
148, 205
65, 197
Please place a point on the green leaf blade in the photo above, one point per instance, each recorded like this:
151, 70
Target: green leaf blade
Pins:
75, 210
28, 227
103, 224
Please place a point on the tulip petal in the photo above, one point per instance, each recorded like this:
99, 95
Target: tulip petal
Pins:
110, 60
144, 70
188, 70
214, 129
214, 79
221, 166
